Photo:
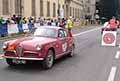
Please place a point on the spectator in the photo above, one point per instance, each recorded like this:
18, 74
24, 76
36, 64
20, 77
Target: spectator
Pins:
23, 20
34, 19
13, 18
18, 19
8, 21
38, 20
30, 20
62, 23
56, 22
2, 21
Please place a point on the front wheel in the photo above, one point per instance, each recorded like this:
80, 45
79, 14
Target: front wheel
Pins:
10, 62
49, 60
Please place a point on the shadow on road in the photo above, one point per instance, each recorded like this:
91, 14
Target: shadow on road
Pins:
61, 64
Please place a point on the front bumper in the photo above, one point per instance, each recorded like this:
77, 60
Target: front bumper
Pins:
23, 58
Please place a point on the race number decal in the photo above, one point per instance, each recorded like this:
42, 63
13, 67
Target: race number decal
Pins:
64, 47
109, 38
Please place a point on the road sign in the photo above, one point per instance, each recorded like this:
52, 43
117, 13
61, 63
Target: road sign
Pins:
109, 38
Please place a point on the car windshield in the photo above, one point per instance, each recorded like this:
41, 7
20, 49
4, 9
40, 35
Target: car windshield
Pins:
45, 32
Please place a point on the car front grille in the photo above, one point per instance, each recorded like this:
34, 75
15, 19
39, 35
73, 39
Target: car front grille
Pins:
31, 54
10, 53
19, 51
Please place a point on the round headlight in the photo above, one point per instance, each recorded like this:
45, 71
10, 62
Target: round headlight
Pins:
5, 45
38, 47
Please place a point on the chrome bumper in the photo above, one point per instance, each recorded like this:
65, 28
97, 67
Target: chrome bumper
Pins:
23, 58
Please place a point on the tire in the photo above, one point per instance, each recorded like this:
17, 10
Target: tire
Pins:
49, 60
71, 54
10, 63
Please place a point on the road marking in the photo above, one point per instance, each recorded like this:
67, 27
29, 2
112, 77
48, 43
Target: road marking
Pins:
87, 31
119, 45
112, 74
117, 55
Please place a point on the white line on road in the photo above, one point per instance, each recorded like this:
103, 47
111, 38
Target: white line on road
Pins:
112, 74
119, 45
86, 31
117, 55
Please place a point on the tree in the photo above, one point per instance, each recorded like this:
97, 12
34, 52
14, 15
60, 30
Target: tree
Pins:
118, 8
109, 8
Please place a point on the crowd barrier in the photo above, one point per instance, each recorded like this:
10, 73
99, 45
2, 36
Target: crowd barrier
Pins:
21, 28
16, 28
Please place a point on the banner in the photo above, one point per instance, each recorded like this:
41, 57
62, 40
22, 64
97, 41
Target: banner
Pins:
3, 29
12, 28
25, 28
37, 25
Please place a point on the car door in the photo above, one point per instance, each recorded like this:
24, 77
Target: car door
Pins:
69, 41
62, 41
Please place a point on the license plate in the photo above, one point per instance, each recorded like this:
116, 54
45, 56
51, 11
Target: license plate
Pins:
19, 61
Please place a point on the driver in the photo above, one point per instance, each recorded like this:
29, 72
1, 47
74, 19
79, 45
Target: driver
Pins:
113, 24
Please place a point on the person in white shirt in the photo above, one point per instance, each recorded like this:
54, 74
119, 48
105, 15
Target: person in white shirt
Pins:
106, 26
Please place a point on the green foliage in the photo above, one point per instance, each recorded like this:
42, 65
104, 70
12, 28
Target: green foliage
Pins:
118, 8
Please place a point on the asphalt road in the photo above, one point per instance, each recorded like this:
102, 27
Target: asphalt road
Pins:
92, 62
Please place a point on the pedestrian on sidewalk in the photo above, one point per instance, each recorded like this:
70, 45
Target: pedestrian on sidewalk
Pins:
2, 21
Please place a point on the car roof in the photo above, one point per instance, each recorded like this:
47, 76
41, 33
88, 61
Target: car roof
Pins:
51, 27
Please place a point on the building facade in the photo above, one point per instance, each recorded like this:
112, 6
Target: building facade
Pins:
74, 8
45, 8
89, 8
108, 8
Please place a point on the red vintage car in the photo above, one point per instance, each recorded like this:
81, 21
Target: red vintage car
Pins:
45, 45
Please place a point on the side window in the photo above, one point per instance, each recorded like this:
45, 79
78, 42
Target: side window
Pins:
61, 33
65, 33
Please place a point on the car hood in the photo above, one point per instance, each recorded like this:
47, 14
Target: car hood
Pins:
30, 42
